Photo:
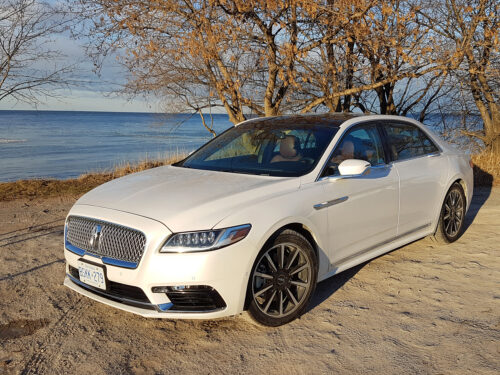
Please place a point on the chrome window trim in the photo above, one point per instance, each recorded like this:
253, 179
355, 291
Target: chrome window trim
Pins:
433, 154
382, 122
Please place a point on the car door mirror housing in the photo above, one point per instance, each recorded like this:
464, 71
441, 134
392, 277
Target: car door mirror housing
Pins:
353, 167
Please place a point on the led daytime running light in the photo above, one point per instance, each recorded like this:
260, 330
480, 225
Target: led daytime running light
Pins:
204, 240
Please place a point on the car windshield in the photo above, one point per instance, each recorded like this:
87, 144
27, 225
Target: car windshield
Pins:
288, 150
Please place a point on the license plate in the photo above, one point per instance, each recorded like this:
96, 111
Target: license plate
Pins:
91, 274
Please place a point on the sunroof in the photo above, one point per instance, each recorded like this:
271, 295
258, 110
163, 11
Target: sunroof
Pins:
329, 119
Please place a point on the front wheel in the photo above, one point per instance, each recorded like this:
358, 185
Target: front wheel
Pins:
452, 217
282, 280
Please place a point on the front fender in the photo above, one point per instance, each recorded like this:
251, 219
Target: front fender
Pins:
271, 215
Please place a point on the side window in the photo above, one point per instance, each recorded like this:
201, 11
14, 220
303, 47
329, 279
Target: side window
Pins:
362, 142
408, 141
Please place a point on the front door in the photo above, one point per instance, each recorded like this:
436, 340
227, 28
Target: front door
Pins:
362, 212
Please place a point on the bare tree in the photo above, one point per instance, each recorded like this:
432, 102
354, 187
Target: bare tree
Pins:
370, 55
29, 67
469, 34
272, 57
240, 55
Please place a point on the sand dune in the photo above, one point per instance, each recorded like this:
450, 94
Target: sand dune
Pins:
421, 309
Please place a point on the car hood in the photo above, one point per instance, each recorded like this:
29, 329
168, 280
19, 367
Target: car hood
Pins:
186, 199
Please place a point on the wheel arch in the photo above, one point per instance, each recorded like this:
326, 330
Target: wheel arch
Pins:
462, 183
456, 179
299, 228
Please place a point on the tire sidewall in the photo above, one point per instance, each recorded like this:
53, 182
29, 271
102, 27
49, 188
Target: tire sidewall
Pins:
287, 236
441, 228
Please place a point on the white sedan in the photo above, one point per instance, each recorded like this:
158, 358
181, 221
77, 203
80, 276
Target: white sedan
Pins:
260, 214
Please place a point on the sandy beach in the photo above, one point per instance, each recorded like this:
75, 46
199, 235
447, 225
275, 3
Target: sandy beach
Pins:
421, 309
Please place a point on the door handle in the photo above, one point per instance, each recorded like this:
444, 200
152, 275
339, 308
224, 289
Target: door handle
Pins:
333, 202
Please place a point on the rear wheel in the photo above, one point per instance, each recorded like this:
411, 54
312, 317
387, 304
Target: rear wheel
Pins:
282, 280
452, 217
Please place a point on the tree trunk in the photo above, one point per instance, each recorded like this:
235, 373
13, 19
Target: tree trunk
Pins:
495, 145
485, 103
349, 76
381, 99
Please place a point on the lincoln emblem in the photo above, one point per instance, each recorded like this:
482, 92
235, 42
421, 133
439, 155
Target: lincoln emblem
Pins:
94, 238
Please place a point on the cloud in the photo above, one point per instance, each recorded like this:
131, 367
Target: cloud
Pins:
86, 90
84, 100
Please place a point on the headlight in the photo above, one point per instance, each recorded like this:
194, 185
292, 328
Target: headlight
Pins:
204, 240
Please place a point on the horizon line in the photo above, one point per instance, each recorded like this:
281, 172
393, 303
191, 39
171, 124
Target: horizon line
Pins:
101, 111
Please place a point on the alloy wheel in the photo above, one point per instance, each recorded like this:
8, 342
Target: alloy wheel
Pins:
281, 280
453, 213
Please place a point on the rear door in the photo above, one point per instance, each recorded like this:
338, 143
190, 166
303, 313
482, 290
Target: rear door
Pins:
422, 173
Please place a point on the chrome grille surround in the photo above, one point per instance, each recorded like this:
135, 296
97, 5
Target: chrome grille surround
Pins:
115, 242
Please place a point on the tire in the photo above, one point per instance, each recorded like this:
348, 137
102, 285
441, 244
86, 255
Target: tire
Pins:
282, 280
452, 216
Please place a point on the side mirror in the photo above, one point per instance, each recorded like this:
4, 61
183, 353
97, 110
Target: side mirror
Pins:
353, 167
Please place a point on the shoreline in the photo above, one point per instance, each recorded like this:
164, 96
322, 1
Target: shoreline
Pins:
75, 187
486, 173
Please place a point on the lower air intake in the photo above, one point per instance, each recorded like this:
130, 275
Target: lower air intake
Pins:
193, 298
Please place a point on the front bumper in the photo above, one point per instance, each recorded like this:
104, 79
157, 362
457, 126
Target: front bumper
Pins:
225, 270
147, 310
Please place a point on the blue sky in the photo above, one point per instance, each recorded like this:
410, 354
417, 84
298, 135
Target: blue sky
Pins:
93, 93
85, 100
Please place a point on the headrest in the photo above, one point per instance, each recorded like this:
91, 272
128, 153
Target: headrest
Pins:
289, 146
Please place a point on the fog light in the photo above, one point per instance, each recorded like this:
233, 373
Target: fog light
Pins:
160, 289
177, 287
201, 298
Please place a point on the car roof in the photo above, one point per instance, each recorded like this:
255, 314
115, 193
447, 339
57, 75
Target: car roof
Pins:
329, 119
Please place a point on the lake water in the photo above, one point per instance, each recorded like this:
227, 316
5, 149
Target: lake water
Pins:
58, 144
35, 144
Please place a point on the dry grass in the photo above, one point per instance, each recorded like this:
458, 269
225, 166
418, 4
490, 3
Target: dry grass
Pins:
486, 173
76, 186
486, 168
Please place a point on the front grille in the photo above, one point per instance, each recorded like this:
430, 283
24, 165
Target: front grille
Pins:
115, 241
123, 293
